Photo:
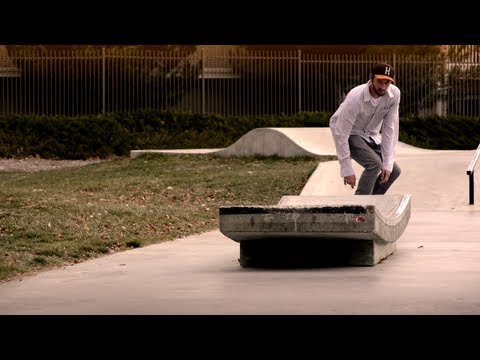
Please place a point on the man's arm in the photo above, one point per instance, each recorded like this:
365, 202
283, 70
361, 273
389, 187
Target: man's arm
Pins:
341, 126
390, 133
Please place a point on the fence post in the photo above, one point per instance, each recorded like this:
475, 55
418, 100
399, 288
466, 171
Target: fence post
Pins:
299, 81
103, 80
203, 82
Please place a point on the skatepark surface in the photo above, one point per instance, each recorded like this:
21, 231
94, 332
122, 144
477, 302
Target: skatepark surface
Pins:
433, 271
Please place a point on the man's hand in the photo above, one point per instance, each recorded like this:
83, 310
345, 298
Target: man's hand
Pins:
384, 176
350, 180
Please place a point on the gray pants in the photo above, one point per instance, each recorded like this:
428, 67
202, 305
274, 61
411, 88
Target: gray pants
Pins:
369, 155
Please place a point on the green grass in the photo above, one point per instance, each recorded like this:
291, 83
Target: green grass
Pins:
54, 218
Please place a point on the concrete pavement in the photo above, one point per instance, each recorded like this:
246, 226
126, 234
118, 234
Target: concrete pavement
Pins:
434, 269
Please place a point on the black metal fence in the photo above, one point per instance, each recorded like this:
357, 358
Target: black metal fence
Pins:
225, 80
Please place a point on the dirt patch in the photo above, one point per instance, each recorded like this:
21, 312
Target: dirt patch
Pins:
36, 164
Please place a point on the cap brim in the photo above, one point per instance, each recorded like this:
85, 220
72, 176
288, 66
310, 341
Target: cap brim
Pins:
385, 77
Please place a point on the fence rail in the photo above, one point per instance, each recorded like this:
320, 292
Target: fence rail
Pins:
225, 81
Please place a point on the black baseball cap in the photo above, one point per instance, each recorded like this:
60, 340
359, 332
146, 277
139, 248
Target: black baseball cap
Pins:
384, 71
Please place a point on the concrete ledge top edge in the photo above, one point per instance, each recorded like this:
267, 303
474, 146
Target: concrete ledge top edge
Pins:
271, 209
387, 205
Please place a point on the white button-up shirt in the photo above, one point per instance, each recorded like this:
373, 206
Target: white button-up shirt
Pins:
357, 115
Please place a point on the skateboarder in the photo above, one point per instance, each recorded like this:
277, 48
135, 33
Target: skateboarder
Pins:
365, 128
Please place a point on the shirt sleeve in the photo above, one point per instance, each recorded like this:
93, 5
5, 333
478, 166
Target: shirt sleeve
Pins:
390, 133
341, 125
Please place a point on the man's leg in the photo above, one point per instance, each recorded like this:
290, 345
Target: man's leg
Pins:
380, 189
362, 153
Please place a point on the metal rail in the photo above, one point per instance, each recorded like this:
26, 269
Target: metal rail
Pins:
470, 173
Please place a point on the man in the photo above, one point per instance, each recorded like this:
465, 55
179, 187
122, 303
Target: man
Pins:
367, 110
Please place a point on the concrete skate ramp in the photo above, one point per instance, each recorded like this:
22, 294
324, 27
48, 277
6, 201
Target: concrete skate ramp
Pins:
283, 142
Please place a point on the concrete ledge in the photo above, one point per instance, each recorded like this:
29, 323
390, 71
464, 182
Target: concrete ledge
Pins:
362, 228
